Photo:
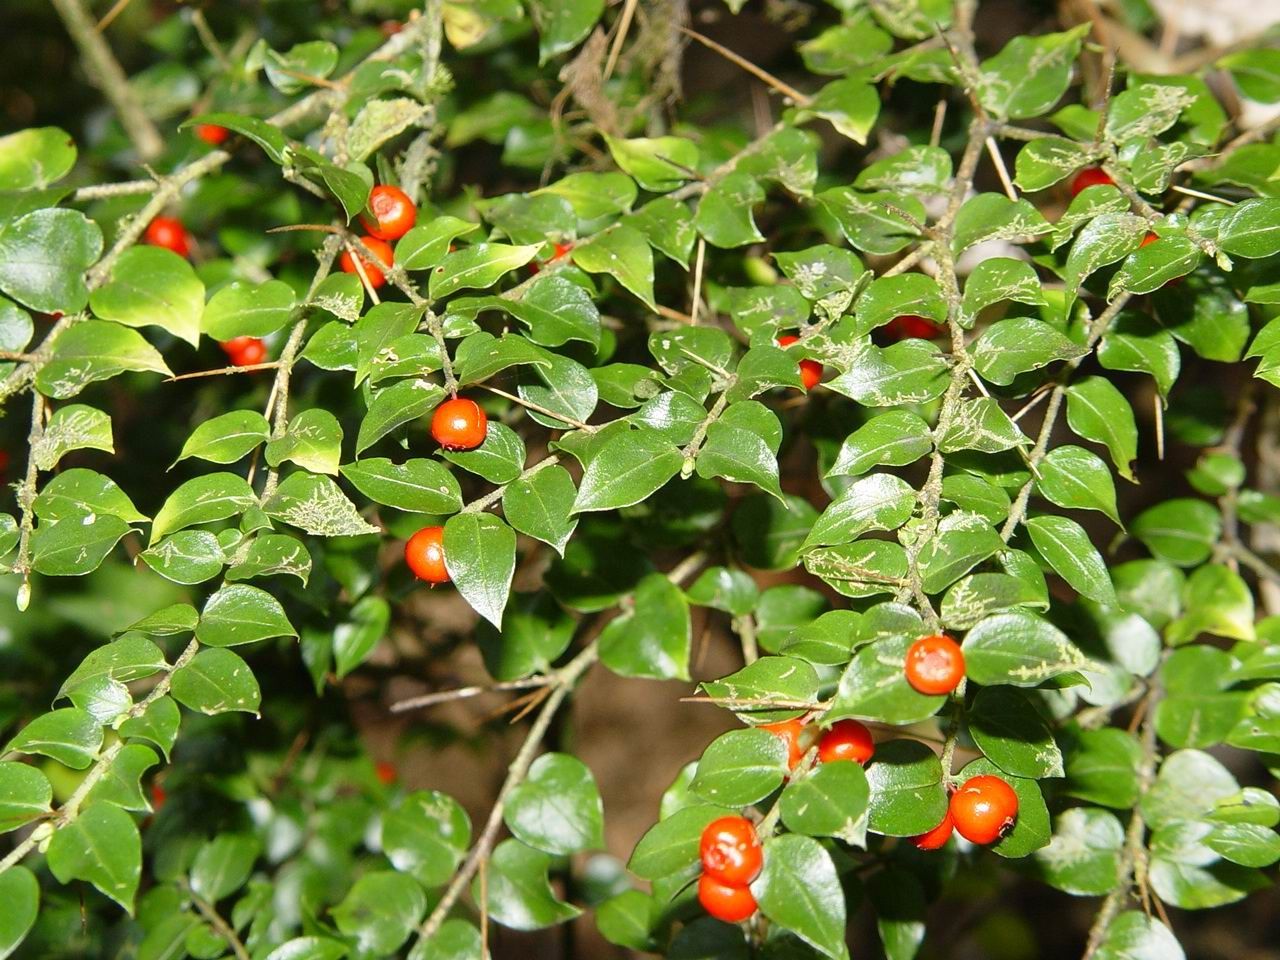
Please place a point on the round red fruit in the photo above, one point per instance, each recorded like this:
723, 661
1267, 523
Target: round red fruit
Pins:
846, 740
810, 370
936, 838
934, 665
386, 772
1089, 177
212, 134
424, 553
381, 249
459, 424
984, 809
394, 210
725, 902
731, 851
168, 232
911, 327
795, 735
246, 351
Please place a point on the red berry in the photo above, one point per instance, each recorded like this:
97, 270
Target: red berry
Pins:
984, 809
725, 902
846, 740
730, 851
797, 737
459, 424
910, 327
169, 233
1089, 177
810, 370
158, 797
251, 354
424, 553
936, 838
386, 772
394, 210
381, 249
934, 665
212, 134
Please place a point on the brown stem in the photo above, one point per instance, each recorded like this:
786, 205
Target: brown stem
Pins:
107, 75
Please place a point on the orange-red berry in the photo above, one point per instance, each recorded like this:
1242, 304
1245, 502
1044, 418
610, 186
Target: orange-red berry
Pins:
386, 772
394, 211
424, 553
810, 370
796, 735
846, 740
459, 424
1089, 177
934, 665
984, 809
158, 797
731, 851
724, 901
245, 351
212, 134
168, 232
909, 327
937, 837
381, 249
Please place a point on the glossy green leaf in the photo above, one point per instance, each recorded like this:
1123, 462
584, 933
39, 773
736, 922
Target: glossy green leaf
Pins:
216, 681
480, 552
151, 286
100, 846
557, 809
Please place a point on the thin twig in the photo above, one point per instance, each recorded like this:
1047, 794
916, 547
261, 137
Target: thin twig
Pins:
223, 929
539, 408
1097, 328
465, 693
564, 680
1132, 861
494, 495
696, 300
109, 17
624, 26
760, 73
1001, 170
223, 371
108, 76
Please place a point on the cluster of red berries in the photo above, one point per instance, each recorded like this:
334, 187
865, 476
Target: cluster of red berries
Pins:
457, 424
845, 740
982, 811
732, 857
810, 370
394, 216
